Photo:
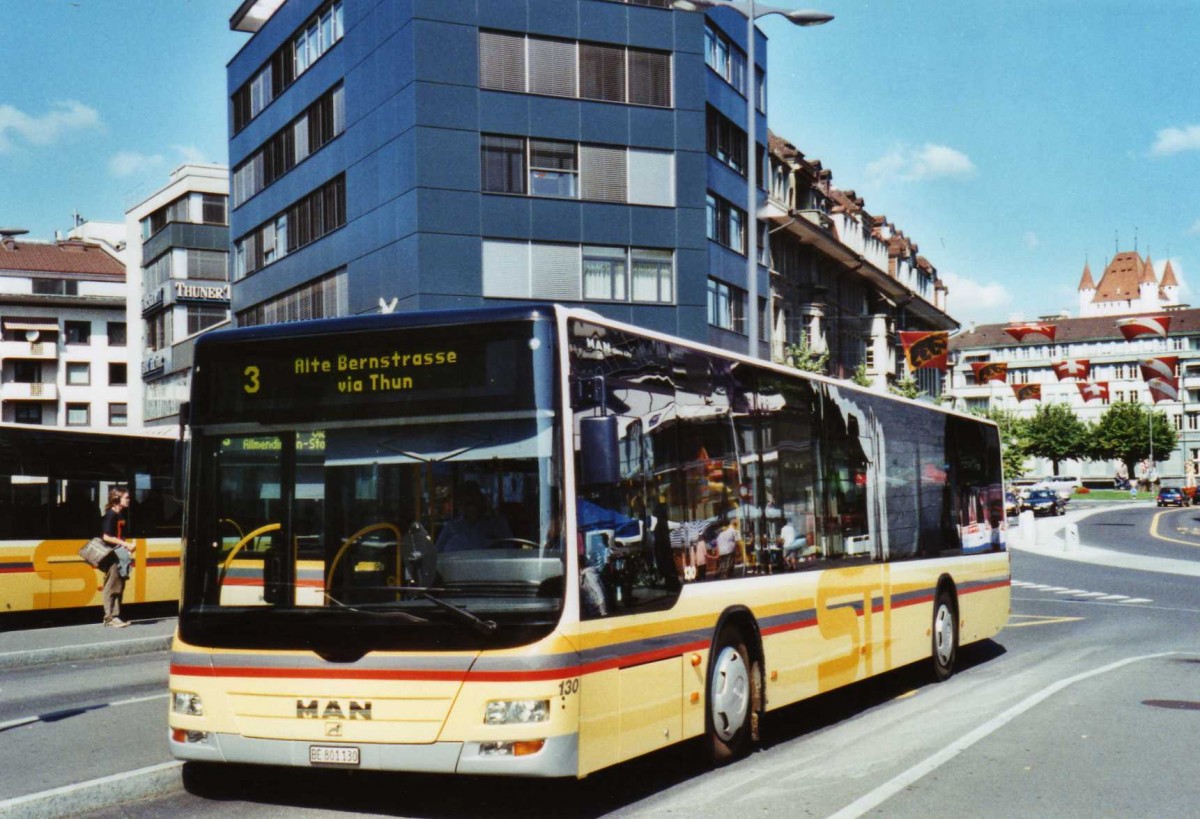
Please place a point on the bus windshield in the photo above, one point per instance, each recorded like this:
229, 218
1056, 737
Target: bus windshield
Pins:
432, 527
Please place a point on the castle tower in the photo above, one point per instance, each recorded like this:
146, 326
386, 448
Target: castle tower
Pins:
1169, 286
1148, 286
1087, 292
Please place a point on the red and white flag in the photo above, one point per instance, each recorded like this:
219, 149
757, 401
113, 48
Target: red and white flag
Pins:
990, 371
1163, 389
1077, 368
1162, 366
1144, 326
1027, 392
1092, 391
1032, 332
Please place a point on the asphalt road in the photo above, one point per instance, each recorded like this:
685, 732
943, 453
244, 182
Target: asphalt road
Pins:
1088, 704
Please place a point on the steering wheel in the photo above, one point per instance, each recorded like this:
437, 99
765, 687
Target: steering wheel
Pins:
361, 534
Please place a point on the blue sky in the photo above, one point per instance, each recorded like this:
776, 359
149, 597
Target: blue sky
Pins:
1011, 140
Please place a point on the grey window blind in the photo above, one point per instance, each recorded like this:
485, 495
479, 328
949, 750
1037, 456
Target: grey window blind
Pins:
651, 177
506, 269
552, 67
602, 72
501, 61
555, 272
603, 173
649, 78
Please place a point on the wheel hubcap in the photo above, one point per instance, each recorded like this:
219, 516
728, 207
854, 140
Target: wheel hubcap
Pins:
943, 634
730, 693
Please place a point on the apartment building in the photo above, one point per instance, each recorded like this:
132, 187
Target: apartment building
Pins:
63, 334
177, 262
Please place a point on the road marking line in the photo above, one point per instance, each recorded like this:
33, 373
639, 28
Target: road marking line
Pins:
1137, 600
1051, 588
1039, 621
16, 723
898, 783
1154, 530
1114, 597
1072, 591
1091, 594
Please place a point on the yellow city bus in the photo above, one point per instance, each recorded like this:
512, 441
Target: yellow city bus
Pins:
531, 541
54, 484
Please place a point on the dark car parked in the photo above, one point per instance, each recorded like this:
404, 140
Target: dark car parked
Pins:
1172, 496
1044, 502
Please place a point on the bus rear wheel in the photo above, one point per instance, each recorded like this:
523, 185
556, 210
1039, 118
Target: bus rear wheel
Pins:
734, 698
945, 635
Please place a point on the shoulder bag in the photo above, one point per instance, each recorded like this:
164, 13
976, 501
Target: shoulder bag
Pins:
95, 551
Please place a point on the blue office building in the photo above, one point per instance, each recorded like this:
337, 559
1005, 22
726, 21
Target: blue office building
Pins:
427, 154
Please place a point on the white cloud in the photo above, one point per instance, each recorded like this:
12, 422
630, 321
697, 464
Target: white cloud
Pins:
969, 300
63, 118
1031, 240
908, 164
1176, 140
128, 163
190, 154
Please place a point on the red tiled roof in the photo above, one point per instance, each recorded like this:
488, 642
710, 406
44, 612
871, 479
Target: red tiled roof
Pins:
1069, 330
1121, 278
1087, 282
1168, 279
59, 257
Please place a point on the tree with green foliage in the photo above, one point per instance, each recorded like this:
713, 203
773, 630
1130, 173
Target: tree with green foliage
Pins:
1056, 434
1125, 432
860, 376
804, 358
1012, 440
906, 387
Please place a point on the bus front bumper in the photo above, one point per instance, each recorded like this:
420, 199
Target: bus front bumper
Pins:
559, 757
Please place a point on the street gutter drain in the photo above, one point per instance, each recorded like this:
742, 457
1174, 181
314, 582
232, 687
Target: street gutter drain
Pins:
1179, 705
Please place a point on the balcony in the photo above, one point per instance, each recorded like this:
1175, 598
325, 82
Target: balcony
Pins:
18, 391
27, 350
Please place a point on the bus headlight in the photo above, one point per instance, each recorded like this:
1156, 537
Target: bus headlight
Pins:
508, 712
185, 702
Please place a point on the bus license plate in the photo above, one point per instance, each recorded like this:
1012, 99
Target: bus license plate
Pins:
332, 755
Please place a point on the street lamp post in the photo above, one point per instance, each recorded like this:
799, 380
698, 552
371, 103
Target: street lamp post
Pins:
752, 11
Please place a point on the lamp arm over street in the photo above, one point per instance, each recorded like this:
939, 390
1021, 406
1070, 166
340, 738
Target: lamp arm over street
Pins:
752, 11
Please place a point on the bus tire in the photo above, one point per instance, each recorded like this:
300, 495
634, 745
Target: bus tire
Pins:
945, 635
734, 697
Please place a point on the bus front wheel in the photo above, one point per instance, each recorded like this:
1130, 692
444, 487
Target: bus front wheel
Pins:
945, 635
734, 697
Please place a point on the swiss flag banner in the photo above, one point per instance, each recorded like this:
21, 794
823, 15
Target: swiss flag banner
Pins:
925, 349
1032, 332
1163, 389
1144, 326
1163, 366
1027, 392
1077, 368
1092, 391
990, 371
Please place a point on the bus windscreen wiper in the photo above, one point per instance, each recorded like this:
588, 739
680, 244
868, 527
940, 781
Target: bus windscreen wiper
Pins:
484, 627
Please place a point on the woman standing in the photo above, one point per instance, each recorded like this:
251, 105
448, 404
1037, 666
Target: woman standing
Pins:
112, 532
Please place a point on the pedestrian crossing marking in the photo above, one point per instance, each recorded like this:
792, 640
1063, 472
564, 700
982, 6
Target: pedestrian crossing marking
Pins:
1082, 594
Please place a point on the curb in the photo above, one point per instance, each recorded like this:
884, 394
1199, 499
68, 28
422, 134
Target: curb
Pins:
96, 794
92, 651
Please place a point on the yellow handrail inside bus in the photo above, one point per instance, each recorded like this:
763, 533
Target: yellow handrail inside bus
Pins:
359, 535
262, 530
234, 524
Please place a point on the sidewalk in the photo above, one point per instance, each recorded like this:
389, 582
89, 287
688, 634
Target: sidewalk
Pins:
39, 646
1053, 537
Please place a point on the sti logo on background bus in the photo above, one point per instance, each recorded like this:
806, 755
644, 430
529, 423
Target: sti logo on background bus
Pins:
331, 709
